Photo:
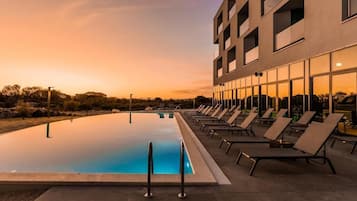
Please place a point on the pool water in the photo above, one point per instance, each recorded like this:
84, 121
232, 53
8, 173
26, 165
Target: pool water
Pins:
115, 143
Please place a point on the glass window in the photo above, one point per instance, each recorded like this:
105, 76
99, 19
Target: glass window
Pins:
320, 64
255, 80
349, 8
344, 59
297, 98
272, 75
272, 96
241, 94
255, 96
263, 78
283, 73
320, 99
297, 70
242, 83
249, 98
283, 95
344, 95
248, 81
263, 98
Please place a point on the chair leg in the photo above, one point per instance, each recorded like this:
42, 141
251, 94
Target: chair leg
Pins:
354, 148
331, 166
333, 143
239, 157
228, 147
221, 143
255, 162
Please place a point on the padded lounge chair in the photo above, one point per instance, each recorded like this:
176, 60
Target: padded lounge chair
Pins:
346, 139
245, 126
272, 134
205, 112
229, 122
270, 120
307, 147
215, 112
304, 120
219, 117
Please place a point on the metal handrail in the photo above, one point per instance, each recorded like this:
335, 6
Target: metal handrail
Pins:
182, 194
148, 193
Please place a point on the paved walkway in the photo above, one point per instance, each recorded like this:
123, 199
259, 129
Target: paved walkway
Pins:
273, 180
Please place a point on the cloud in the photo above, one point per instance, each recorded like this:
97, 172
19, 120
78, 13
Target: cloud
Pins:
202, 90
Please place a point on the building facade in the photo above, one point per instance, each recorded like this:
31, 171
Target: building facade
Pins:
295, 54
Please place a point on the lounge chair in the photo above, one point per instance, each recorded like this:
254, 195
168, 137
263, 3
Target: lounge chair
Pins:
269, 120
245, 126
272, 134
307, 147
213, 115
205, 112
345, 139
219, 117
304, 120
229, 122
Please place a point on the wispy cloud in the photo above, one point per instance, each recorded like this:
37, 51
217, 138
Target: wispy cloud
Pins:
202, 90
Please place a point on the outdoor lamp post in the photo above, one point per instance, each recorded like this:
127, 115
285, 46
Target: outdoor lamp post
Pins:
49, 101
130, 101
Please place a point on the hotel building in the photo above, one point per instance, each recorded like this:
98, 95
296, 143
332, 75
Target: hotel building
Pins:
294, 54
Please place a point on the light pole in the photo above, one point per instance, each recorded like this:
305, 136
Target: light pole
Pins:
130, 101
49, 101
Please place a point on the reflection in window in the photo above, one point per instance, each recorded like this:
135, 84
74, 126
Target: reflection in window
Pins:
255, 96
241, 93
297, 98
344, 95
283, 73
263, 98
248, 81
263, 78
272, 96
272, 75
320, 97
297, 70
249, 98
344, 59
320, 64
283, 95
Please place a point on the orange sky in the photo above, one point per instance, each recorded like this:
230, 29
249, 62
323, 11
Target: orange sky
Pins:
149, 48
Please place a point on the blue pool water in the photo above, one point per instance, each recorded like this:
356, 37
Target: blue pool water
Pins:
115, 143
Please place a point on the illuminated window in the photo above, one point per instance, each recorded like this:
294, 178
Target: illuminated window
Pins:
297, 70
320, 64
344, 59
283, 73
272, 75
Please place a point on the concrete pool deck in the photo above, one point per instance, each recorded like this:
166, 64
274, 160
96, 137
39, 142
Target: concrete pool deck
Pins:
273, 180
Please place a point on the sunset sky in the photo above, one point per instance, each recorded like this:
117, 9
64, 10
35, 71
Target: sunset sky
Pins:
147, 47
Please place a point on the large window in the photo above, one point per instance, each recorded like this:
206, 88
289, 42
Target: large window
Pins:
349, 8
251, 46
283, 95
344, 59
232, 64
267, 5
243, 19
297, 98
249, 98
219, 64
320, 96
272, 96
344, 95
320, 64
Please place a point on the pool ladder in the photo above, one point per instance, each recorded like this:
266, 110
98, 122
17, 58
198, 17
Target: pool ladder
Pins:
182, 194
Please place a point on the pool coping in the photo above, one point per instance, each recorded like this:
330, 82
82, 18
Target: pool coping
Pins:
198, 155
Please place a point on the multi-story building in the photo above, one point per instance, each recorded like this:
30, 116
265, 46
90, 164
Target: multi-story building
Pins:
294, 54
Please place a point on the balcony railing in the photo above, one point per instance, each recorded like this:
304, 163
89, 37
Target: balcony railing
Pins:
232, 66
290, 35
252, 55
220, 72
220, 28
232, 11
244, 27
228, 43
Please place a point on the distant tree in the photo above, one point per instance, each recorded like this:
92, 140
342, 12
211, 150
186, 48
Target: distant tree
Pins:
158, 99
23, 109
71, 105
11, 90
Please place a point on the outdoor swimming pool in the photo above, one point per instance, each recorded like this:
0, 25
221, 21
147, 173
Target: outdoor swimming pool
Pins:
105, 144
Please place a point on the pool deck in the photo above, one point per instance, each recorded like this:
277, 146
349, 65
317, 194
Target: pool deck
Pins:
273, 180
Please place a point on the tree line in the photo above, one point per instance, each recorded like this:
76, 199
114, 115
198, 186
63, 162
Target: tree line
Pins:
33, 101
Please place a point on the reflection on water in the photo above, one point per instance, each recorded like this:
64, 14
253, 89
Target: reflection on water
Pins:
98, 144
130, 119
48, 130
